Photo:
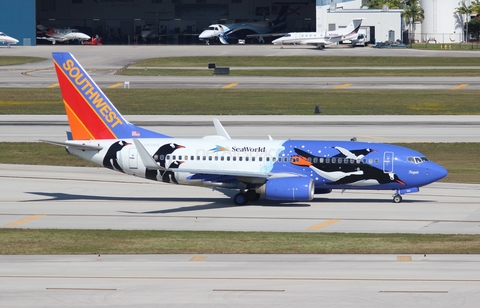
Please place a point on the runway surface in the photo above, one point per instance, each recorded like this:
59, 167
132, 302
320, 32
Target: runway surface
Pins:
371, 281
27, 128
97, 198
103, 61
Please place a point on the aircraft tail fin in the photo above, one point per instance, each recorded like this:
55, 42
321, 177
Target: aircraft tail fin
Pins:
282, 15
90, 113
351, 31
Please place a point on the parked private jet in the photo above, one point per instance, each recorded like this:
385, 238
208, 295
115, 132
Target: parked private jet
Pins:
61, 34
237, 31
282, 170
5, 39
320, 39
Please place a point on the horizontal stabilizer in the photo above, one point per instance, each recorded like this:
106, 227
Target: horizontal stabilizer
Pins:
146, 158
80, 146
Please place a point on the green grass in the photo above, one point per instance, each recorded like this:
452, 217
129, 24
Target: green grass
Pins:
45, 242
461, 168
307, 61
13, 60
255, 101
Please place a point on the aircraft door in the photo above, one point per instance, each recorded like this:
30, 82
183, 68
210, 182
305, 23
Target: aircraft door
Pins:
388, 162
132, 158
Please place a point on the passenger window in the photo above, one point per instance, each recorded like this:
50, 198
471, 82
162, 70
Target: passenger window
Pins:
162, 157
234, 158
246, 158
180, 157
340, 160
260, 159
168, 157
204, 157
209, 157
321, 160
222, 158
216, 157
186, 157
334, 160
228, 158
370, 161
253, 158
327, 160
174, 157
273, 159
376, 160
192, 157
240, 158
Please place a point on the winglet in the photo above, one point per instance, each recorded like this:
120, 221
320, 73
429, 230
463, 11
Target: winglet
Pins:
90, 113
220, 129
146, 158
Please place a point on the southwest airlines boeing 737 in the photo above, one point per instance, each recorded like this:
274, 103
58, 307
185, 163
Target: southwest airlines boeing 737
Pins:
283, 170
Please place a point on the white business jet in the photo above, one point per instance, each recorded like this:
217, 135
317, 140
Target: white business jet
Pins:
320, 39
5, 39
61, 34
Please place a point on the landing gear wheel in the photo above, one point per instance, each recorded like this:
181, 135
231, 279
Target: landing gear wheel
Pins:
252, 195
240, 199
397, 199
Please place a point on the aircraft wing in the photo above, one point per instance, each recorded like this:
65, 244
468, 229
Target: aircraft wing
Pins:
265, 35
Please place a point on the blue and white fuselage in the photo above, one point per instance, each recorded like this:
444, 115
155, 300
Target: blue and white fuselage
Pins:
306, 167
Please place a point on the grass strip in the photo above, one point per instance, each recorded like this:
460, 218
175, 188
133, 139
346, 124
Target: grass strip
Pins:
255, 101
461, 168
15, 60
58, 242
308, 61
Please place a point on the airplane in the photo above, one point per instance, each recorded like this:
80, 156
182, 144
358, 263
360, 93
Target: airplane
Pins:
320, 39
257, 29
281, 170
7, 39
61, 34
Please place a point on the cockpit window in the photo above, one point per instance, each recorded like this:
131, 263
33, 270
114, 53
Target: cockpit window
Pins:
416, 159
287, 35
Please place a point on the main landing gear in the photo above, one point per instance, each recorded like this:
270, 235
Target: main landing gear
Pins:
397, 198
244, 196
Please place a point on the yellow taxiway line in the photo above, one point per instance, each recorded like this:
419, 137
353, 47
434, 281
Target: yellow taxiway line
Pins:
345, 85
228, 86
22, 221
53, 85
116, 85
460, 86
323, 224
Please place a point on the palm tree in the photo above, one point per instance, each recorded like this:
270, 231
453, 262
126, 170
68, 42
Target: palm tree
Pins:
413, 12
462, 10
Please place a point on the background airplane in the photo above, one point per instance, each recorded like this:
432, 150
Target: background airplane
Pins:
282, 170
5, 39
61, 34
237, 31
320, 39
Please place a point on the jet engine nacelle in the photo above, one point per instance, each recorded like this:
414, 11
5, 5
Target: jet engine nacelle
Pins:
288, 189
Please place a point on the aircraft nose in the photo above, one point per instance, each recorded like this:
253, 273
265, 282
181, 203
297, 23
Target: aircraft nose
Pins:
437, 172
